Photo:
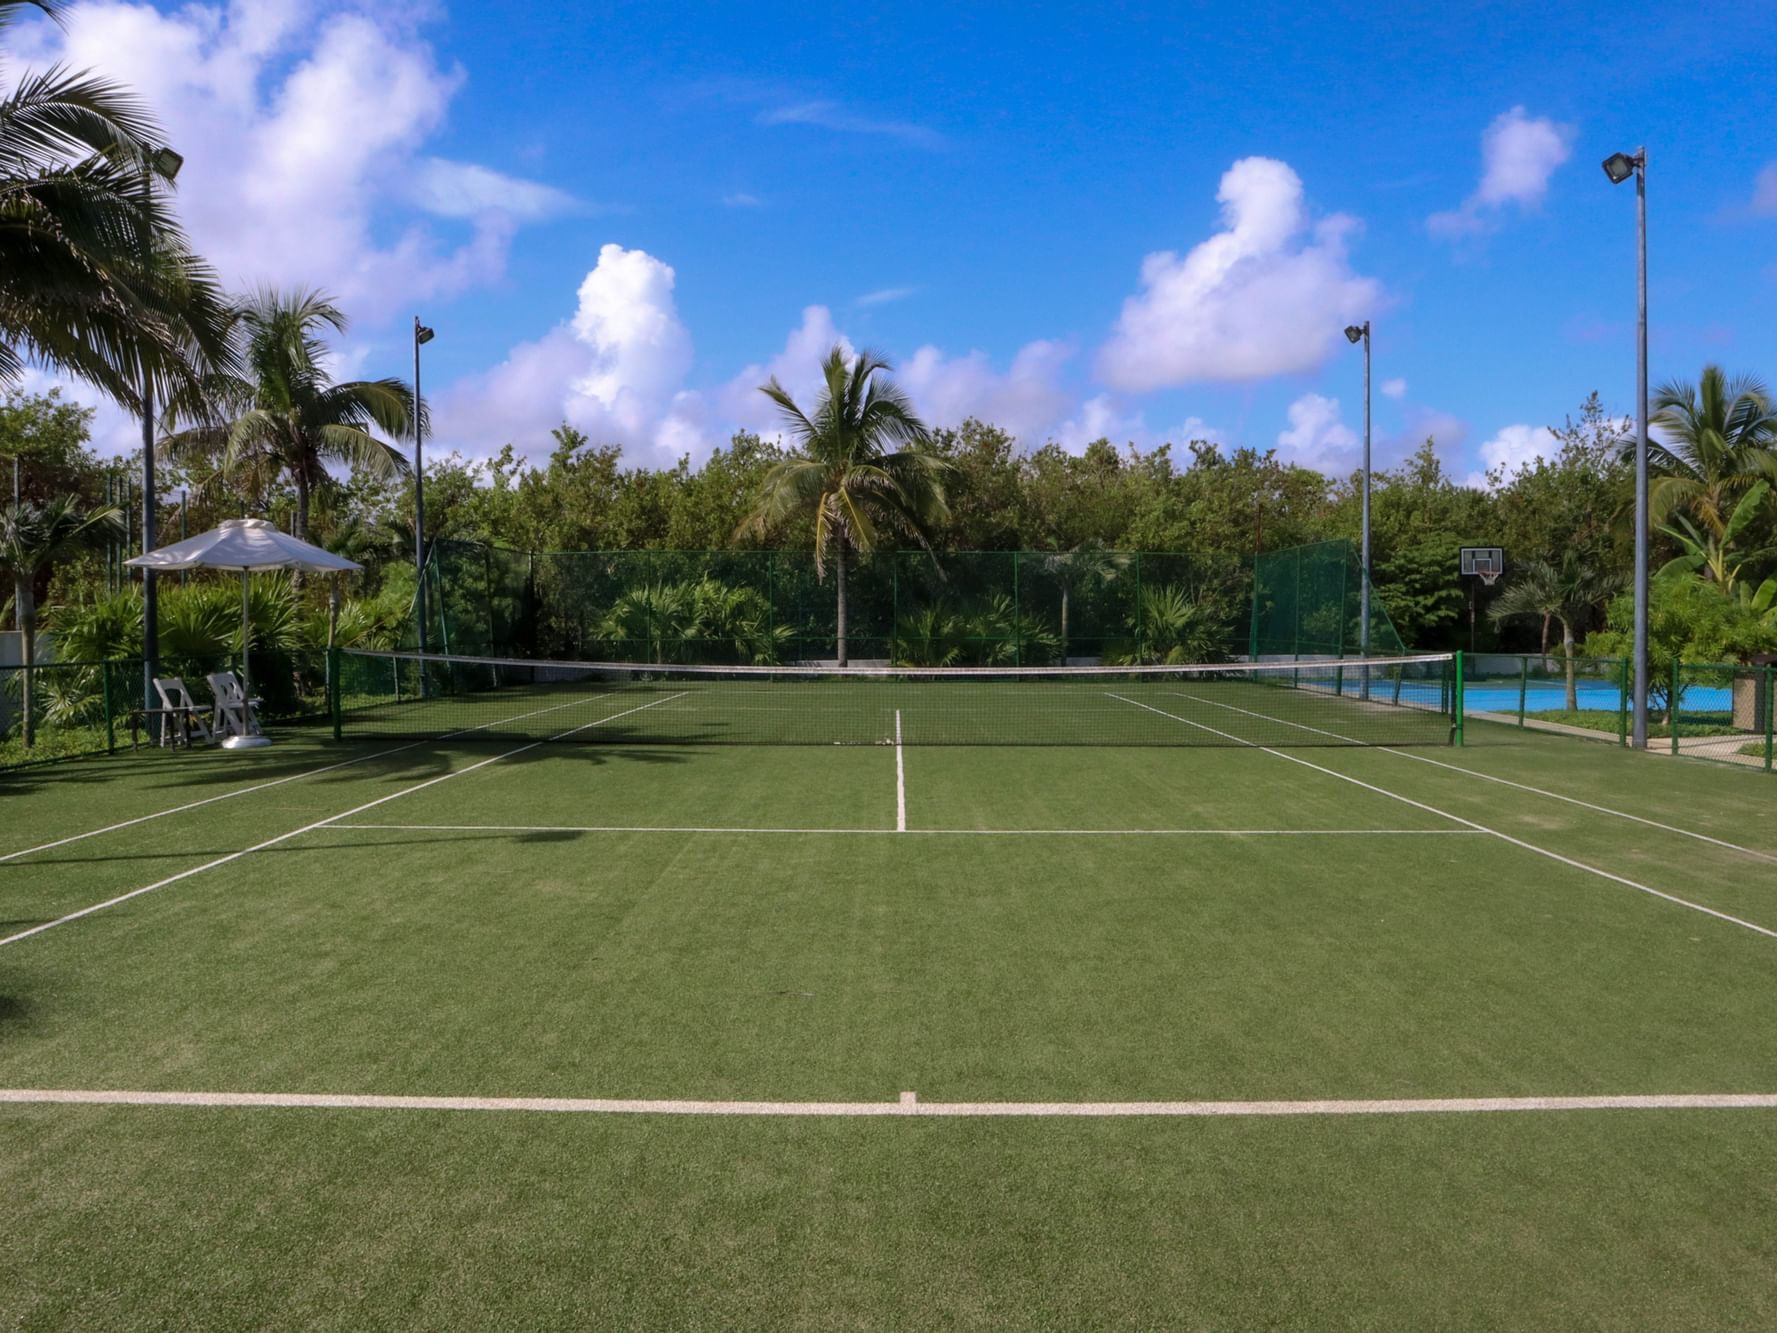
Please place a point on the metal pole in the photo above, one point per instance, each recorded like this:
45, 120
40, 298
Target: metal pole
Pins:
1364, 589
1641, 682
150, 590
419, 500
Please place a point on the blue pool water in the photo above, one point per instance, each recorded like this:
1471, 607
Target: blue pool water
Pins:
1546, 695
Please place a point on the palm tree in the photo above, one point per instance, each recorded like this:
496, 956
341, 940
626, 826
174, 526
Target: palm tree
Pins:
1721, 437
860, 467
33, 537
1568, 592
284, 415
96, 278
1079, 568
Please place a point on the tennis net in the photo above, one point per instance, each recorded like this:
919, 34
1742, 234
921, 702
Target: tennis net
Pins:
1391, 701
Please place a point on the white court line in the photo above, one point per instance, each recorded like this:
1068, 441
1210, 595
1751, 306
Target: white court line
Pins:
908, 1104
900, 780
278, 782
1504, 782
318, 824
929, 832
1432, 809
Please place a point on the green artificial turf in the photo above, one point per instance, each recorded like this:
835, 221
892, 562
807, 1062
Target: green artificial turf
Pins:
1057, 923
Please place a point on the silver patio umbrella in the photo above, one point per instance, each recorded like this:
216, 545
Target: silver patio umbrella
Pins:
252, 546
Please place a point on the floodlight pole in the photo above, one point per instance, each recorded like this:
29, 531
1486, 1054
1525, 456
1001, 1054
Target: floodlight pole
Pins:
168, 162
1641, 514
1363, 634
421, 335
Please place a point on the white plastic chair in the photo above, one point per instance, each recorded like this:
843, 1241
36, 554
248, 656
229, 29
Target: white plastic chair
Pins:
236, 714
184, 720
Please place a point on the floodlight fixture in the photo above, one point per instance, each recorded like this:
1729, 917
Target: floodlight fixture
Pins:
423, 335
1620, 166
166, 163
1355, 332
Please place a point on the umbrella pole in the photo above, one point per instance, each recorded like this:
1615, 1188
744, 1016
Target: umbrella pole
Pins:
246, 740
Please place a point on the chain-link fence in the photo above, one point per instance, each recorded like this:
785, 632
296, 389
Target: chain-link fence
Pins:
61, 710
910, 608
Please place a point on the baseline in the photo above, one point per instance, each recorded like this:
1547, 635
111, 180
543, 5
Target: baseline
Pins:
908, 1104
924, 832
1504, 782
318, 824
1459, 819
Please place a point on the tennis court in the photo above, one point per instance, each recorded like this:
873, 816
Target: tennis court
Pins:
445, 1023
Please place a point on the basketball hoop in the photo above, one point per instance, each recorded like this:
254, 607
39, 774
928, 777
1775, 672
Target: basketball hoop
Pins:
1486, 563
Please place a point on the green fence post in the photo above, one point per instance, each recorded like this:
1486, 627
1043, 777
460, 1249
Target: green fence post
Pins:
1523, 687
110, 718
1253, 631
333, 660
1623, 702
1672, 705
1770, 707
1458, 701
1017, 617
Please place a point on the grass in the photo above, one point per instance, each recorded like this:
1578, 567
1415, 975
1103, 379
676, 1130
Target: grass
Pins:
1379, 948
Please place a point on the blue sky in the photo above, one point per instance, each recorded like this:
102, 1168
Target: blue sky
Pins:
628, 215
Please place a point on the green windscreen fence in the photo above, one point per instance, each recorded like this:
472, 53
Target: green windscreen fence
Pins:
1307, 601
910, 608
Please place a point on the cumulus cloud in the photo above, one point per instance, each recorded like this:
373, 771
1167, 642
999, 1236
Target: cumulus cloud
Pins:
302, 123
797, 366
1514, 447
1266, 295
1395, 388
1316, 437
1026, 400
1519, 153
615, 370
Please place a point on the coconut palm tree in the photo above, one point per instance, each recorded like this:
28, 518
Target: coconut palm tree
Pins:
284, 415
1569, 592
1716, 557
33, 537
859, 469
96, 278
1081, 567
1720, 436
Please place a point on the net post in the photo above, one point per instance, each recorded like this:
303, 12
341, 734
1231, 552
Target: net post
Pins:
1458, 701
1672, 703
111, 716
333, 662
1523, 686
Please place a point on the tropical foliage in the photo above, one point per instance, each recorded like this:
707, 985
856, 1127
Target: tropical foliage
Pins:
859, 469
1570, 591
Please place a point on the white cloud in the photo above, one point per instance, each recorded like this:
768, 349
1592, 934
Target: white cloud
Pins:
1316, 437
1395, 388
741, 199
832, 116
797, 367
1026, 401
1513, 448
1764, 191
465, 190
302, 122
1519, 153
885, 296
615, 370
1265, 296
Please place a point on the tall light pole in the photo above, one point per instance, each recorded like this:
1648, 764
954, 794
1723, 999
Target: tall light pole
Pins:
165, 163
421, 336
1357, 333
1619, 167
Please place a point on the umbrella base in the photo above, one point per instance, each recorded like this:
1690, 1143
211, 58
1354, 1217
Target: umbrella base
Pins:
246, 742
